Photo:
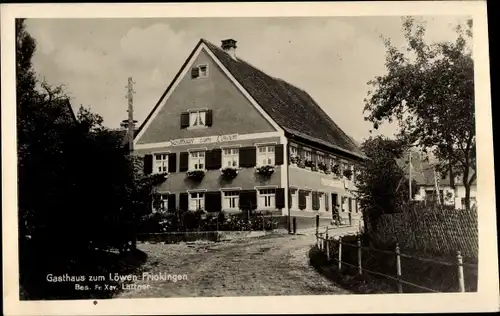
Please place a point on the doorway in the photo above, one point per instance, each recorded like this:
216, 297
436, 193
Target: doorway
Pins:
335, 210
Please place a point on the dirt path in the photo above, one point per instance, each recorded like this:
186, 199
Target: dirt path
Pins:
250, 267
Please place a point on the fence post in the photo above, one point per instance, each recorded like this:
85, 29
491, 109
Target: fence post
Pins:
317, 223
294, 225
360, 268
327, 245
263, 223
340, 253
461, 283
398, 268
350, 219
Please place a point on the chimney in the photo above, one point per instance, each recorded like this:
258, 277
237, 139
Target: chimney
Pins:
229, 46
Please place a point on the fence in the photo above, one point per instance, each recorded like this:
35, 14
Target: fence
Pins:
332, 248
432, 231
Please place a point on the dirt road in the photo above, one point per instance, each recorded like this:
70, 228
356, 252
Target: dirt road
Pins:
277, 265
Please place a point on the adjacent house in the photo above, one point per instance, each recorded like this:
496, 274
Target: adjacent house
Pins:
233, 138
432, 185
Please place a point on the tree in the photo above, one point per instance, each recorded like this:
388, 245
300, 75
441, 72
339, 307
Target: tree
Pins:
382, 186
429, 91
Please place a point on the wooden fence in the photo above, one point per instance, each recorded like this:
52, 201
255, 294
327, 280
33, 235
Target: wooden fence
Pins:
326, 244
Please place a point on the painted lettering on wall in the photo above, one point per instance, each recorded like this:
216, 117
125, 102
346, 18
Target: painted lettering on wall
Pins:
204, 140
332, 183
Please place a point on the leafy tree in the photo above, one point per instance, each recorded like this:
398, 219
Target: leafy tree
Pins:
429, 91
382, 187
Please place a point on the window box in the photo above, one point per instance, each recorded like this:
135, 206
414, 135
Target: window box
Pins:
229, 173
196, 175
322, 166
295, 160
336, 170
266, 171
308, 163
314, 167
348, 173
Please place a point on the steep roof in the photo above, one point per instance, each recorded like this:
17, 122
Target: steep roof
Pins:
291, 107
423, 173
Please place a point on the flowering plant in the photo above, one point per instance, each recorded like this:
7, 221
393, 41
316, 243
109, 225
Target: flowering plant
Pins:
196, 175
348, 173
266, 170
322, 166
336, 170
295, 160
229, 172
308, 163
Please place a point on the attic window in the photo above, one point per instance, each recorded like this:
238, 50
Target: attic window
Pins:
200, 71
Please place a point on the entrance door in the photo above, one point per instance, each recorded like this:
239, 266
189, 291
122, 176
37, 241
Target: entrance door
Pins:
334, 207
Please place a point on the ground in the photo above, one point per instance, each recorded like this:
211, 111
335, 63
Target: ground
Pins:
270, 265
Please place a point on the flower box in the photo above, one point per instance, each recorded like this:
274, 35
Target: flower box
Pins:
336, 170
196, 175
295, 160
322, 166
348, 173
267, 170
229, 173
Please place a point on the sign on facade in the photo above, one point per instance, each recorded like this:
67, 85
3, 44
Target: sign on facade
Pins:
204, 140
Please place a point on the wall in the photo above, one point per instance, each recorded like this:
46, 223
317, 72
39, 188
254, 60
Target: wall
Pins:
232, 112
302, 178
456, 198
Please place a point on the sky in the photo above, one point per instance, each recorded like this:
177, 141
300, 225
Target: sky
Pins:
332, 58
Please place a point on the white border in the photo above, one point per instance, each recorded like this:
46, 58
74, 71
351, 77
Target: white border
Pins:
487, 297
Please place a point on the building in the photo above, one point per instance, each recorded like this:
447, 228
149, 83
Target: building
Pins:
233, 138
430, 182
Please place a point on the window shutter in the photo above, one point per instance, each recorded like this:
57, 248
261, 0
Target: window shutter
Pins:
183, 201
184, 119
171, 202
148, 164
314, 157
248, 157
327, 201
183, 161
315, 201
172, 162
195, 72
302, 199
279, 154
248, 200
213, 201
209, 118
350, 205
208, 160
280, 198
217, 158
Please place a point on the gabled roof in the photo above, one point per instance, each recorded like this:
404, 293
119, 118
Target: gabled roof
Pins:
423, 173
293, 109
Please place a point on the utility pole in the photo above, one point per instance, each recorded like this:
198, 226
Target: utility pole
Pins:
130, 93
436, 187
409, 178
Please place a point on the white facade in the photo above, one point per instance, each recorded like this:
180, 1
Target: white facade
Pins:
449, 196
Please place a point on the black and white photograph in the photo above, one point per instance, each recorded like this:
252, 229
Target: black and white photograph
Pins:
251, 161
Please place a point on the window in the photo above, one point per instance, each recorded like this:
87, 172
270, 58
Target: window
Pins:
267, 198
265, 155
308, 200
230, 157
321, 158
295, 198
197, 160
293, 151
231, 200
203, 71
161, 205
160, 163
197, 201
307, 154
321, 198
197, 118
